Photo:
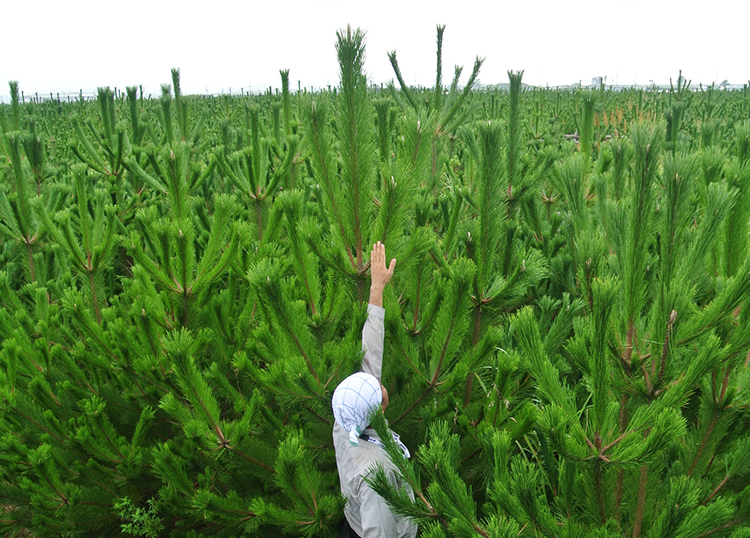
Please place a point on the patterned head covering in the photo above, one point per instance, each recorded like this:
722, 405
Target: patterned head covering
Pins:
353, 401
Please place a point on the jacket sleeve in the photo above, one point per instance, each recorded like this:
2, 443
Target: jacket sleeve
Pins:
372, 341
377, 519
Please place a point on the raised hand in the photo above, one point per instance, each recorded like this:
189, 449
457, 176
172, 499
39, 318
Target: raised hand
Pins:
380, 274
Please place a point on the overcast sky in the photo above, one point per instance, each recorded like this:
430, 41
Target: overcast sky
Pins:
225, 45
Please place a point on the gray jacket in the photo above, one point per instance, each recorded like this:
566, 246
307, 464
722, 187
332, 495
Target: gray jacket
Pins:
367, 513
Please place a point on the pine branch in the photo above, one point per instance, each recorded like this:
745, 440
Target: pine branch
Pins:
717, 489
456, 104
251, 459
413, 405
400, 347
404, 87
316, 134
723, 527
704, 442
641, 503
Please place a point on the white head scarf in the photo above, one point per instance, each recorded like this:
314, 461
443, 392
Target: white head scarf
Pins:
353, 401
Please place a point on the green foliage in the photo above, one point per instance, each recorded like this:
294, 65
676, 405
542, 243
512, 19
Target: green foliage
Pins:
142, 521
183, 284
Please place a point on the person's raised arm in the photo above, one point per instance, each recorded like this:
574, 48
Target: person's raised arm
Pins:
373, 331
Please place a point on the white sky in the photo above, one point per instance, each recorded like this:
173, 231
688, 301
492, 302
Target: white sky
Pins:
64, 46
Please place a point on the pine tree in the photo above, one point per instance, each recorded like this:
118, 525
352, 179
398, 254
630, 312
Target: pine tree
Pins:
445, 115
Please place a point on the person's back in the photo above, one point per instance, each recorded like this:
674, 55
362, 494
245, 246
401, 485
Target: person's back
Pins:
366, 512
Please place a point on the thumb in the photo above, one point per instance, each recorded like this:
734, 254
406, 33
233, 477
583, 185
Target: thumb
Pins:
392, 267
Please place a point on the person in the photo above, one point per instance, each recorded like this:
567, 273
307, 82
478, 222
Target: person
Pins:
358, 447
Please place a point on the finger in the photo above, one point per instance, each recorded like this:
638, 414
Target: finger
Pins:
392, 266
378, 253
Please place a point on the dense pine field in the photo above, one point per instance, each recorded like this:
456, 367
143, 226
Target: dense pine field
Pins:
183, 283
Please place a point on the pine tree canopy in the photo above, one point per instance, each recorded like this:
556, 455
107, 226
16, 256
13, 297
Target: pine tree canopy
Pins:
183, 284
